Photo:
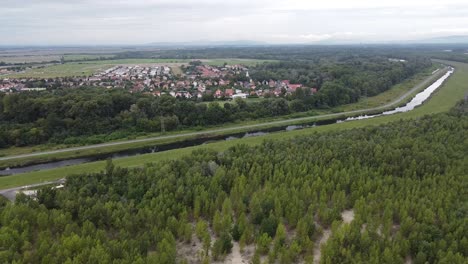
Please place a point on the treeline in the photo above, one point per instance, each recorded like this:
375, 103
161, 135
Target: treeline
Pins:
86, 115
286, 52
406, 183
460, 56
345, 80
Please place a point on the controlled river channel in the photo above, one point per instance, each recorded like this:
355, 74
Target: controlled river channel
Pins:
416, 101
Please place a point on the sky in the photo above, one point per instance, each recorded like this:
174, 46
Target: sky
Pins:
130, 22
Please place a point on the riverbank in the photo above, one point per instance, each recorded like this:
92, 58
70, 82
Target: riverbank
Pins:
394, 97
441, 101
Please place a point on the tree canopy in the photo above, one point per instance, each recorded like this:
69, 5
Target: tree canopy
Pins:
406, 183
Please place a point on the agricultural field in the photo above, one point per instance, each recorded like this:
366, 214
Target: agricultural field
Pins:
443, 99
69, 57
11, 59
87, 68
62, 70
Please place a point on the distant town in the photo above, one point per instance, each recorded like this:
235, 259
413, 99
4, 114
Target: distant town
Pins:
197, 80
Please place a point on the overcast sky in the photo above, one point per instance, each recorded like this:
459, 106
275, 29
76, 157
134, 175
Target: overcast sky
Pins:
94, 22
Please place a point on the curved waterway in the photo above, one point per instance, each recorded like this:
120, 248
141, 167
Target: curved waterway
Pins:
416, 101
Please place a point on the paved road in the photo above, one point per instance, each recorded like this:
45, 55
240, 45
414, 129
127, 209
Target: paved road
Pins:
10, 194
423, 84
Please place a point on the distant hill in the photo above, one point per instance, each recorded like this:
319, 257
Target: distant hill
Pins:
209, 43
444, 40
458, 39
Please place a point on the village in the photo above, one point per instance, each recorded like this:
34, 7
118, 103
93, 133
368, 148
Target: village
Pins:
195, 80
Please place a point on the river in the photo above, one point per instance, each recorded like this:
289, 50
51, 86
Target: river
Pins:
416, 101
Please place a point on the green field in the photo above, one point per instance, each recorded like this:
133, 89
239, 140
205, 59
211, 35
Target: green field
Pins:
69, 57
446, 97
87, 68
378, 100
29, 58
62, 70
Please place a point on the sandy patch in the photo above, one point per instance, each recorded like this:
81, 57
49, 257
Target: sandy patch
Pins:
238, 257
348, 216
190, 251
317, 249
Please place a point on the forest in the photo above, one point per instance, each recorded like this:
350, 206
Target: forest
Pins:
405, 183
90, 115
345, 79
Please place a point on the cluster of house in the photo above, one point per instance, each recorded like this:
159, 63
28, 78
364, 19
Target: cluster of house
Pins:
218, 82
198, 88
207, 71
7, 87
4, 71
134, 72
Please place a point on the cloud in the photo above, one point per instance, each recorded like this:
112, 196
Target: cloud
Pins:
297, 21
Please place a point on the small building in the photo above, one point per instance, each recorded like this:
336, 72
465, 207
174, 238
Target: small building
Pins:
228, 93
240, 95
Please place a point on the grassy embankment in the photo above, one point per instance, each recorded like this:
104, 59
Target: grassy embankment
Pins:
443, 99
379, 100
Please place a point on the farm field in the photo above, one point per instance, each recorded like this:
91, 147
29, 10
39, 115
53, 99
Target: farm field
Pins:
87, 68
28, 58
445, 98
61, 70
69, 57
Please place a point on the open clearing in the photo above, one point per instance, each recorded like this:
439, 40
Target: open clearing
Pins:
442, 100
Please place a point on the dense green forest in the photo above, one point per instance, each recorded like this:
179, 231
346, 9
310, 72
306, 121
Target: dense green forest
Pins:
344, 79
94, 115
406, 183
288, 52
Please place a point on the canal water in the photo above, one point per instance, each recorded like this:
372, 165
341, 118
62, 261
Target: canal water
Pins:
159, 148
416, 101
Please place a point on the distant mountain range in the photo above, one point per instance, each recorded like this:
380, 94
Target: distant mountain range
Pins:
238, 43
436, 40
243, 43
444, 40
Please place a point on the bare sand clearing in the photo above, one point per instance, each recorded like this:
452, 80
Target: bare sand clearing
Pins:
236, 257
348, 216
317, 249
